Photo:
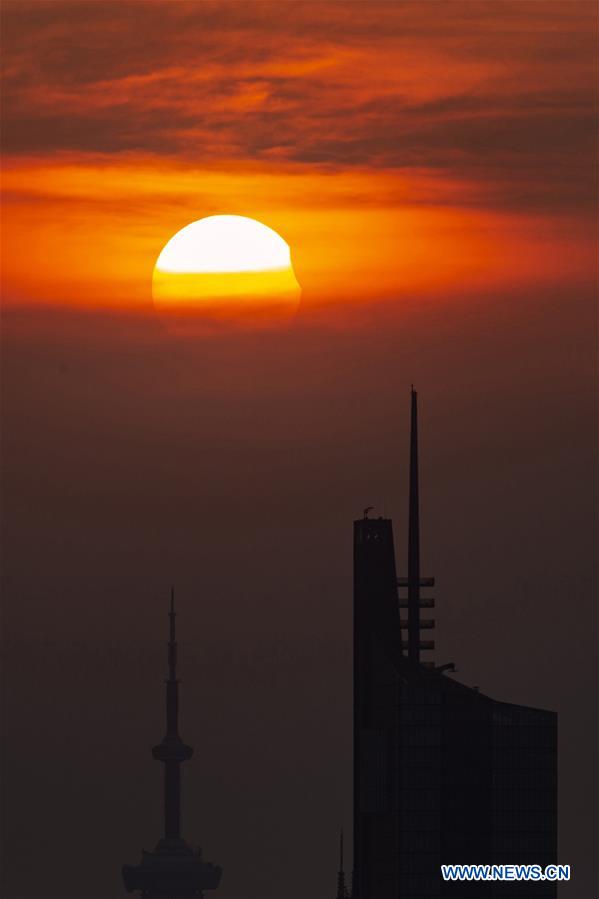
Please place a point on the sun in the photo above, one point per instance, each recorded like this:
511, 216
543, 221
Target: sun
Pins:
226, 269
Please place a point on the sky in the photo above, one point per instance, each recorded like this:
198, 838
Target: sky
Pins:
432, 167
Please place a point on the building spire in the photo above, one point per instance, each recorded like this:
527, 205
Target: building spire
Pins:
414, 624
172, 750
341, 887
172, 649
414, 540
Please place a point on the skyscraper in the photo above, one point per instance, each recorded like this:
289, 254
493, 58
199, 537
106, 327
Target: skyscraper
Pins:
173, 870
442, 773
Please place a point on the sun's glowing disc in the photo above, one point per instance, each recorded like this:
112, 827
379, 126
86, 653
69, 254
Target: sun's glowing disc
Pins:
226, 267
224, 243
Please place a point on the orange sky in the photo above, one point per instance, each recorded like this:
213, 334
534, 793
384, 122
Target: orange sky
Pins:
400, 154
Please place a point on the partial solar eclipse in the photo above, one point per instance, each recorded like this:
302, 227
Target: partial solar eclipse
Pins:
226, 269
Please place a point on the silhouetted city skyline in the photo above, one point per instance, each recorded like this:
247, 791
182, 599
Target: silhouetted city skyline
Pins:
442, 773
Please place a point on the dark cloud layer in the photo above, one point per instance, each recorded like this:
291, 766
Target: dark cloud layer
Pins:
444, 86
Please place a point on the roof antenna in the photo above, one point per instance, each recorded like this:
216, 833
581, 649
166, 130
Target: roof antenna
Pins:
414, 540
341, 888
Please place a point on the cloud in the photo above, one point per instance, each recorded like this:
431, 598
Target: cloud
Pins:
478, 90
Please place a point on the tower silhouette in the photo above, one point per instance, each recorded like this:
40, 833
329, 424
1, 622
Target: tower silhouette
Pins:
442, 773
173, 870
342, 892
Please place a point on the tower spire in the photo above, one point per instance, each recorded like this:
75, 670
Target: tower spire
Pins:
341, 887
172, 750
414, 539
172, 684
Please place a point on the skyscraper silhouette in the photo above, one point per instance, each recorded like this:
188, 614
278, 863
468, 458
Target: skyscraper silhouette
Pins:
173, 870
442, 773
